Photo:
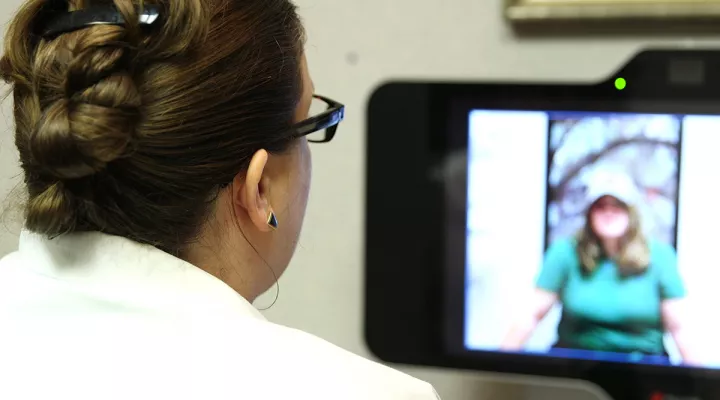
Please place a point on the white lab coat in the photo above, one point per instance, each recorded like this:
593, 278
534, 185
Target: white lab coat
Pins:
92, 316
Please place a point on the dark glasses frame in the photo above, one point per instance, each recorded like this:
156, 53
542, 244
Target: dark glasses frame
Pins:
327, 120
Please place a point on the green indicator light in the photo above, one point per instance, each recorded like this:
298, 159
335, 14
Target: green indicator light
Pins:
620, 83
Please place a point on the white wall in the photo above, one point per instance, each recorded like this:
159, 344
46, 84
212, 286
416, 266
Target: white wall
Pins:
353, 46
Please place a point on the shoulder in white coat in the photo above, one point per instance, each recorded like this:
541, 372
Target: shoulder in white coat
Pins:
312, 368
78, 321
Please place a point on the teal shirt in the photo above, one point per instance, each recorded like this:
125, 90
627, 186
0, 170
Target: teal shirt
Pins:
604, 311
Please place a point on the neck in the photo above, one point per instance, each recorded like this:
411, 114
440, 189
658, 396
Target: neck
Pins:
223, 250
611, 247
229, 260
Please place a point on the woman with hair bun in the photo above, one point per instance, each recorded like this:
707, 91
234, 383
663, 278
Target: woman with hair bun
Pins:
164, 147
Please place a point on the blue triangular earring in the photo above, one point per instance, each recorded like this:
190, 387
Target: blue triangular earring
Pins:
272, 220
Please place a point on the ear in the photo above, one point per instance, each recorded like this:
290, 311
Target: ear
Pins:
250, 192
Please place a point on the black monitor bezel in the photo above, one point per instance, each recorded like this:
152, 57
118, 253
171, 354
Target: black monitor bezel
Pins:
406, 301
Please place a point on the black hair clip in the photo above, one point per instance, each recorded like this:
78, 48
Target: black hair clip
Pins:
70, 21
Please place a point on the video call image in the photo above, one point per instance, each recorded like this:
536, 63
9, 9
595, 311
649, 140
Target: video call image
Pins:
589, 235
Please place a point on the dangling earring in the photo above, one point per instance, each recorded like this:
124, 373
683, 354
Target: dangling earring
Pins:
272, 219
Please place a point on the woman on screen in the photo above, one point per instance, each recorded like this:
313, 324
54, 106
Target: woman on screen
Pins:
620, 291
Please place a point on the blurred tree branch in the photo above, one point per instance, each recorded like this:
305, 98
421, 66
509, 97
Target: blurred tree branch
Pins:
592, 158
568, 125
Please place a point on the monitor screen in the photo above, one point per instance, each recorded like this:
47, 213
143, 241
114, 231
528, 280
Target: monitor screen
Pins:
591, 236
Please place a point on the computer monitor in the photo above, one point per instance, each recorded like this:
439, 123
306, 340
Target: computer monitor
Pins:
551, 229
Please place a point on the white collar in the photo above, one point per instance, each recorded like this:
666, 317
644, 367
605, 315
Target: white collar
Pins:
123, 272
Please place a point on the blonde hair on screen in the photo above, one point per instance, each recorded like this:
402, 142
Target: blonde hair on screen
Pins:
633, 257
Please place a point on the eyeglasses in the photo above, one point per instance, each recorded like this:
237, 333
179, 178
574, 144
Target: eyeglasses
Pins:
325, 115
